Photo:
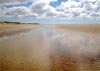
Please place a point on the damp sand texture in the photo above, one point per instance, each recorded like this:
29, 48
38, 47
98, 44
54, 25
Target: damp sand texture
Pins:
48, 48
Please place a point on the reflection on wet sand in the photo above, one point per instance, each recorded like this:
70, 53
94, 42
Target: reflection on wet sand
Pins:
47, 49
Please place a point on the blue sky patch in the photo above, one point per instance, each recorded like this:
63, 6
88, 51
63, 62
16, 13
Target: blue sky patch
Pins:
55, 4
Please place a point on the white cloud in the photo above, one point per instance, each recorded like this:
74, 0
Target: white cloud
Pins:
43, 1
7, 2
95, 15
17, 11
89, 0
71, 9
82, 9
2, 12
69, 4
43, 9
39, 8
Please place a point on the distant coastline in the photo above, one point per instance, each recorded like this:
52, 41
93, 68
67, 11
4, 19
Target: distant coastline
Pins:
9, 22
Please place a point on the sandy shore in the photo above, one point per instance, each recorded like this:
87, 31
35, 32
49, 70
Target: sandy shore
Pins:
50, 49
89, 28
13, 32
7, 30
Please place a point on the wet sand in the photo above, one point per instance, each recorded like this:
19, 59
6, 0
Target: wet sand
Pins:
13, 32
50, 49
7, 30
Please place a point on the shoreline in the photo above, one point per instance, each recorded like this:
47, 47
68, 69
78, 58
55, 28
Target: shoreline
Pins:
14, 32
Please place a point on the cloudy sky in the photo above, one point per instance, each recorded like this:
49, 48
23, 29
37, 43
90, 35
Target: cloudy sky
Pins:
51, 11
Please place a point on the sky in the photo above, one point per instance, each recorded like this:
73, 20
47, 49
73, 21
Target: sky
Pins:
51, 11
